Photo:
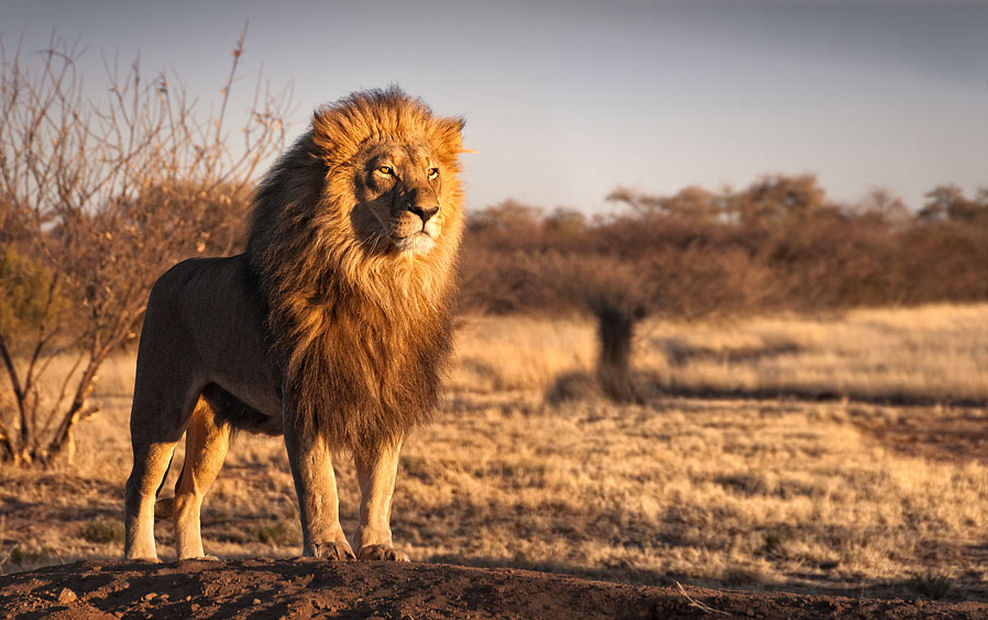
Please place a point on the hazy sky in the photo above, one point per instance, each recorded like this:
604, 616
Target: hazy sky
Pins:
566, 100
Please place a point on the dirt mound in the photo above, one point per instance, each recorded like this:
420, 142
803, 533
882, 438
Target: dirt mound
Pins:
306, 588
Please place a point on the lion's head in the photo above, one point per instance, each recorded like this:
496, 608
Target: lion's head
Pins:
398, 191
394, 171
370, 193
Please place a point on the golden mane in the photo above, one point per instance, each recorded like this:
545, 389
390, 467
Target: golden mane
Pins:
361, 333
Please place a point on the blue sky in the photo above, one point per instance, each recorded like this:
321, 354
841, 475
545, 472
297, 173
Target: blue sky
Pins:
567, 100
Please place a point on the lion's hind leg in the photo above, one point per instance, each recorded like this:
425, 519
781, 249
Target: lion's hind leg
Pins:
206, 443
154, 434
165, 393
151, 464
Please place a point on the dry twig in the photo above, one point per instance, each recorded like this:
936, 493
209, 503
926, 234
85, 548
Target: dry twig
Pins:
701, 606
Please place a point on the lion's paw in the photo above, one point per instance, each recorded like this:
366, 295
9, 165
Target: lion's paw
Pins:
144, 560
383, 553
338, 551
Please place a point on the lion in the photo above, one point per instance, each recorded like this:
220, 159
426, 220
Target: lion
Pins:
332, 328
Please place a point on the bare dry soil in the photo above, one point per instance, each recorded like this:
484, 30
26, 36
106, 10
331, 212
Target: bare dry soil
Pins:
311, 588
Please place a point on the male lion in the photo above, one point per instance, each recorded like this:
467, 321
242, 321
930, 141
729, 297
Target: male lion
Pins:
331, 327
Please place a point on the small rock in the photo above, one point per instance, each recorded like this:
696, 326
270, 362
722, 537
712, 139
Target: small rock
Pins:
150, 596
919, 603
256, 601
66, 596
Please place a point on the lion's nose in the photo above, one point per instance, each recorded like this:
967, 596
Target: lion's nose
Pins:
425, 213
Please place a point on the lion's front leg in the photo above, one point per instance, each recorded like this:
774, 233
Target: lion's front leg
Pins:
376, 472
318, 502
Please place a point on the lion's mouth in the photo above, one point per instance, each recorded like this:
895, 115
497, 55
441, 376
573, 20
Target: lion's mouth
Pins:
418, 242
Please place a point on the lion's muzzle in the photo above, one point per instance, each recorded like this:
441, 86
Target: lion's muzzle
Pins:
425, 213
417, 225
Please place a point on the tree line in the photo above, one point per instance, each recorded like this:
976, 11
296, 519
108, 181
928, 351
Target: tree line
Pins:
778, 245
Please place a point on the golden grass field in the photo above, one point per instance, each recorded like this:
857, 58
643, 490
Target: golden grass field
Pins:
879, 488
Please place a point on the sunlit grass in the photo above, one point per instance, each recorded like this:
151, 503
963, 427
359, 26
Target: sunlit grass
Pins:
932, 353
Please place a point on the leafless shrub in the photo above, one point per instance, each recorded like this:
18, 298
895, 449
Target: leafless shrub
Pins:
96, 199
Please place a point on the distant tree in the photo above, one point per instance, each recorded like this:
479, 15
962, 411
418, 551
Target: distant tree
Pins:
509, 216
882, 206
689, 203
778, 199
941, 199
949, 202
96, 200
696, 202
565, 221
644, 205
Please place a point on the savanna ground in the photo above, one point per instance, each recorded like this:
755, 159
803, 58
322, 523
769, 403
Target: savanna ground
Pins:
834, 455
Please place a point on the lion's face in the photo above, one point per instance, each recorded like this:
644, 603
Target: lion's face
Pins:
399, 197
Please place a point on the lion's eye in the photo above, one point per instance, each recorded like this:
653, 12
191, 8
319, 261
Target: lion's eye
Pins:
386, 170
433, 173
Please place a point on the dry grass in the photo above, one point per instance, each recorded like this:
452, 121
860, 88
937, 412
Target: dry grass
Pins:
930, 353
936, 352
743, 492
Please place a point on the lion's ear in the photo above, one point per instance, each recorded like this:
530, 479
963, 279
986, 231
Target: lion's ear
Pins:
449, 134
